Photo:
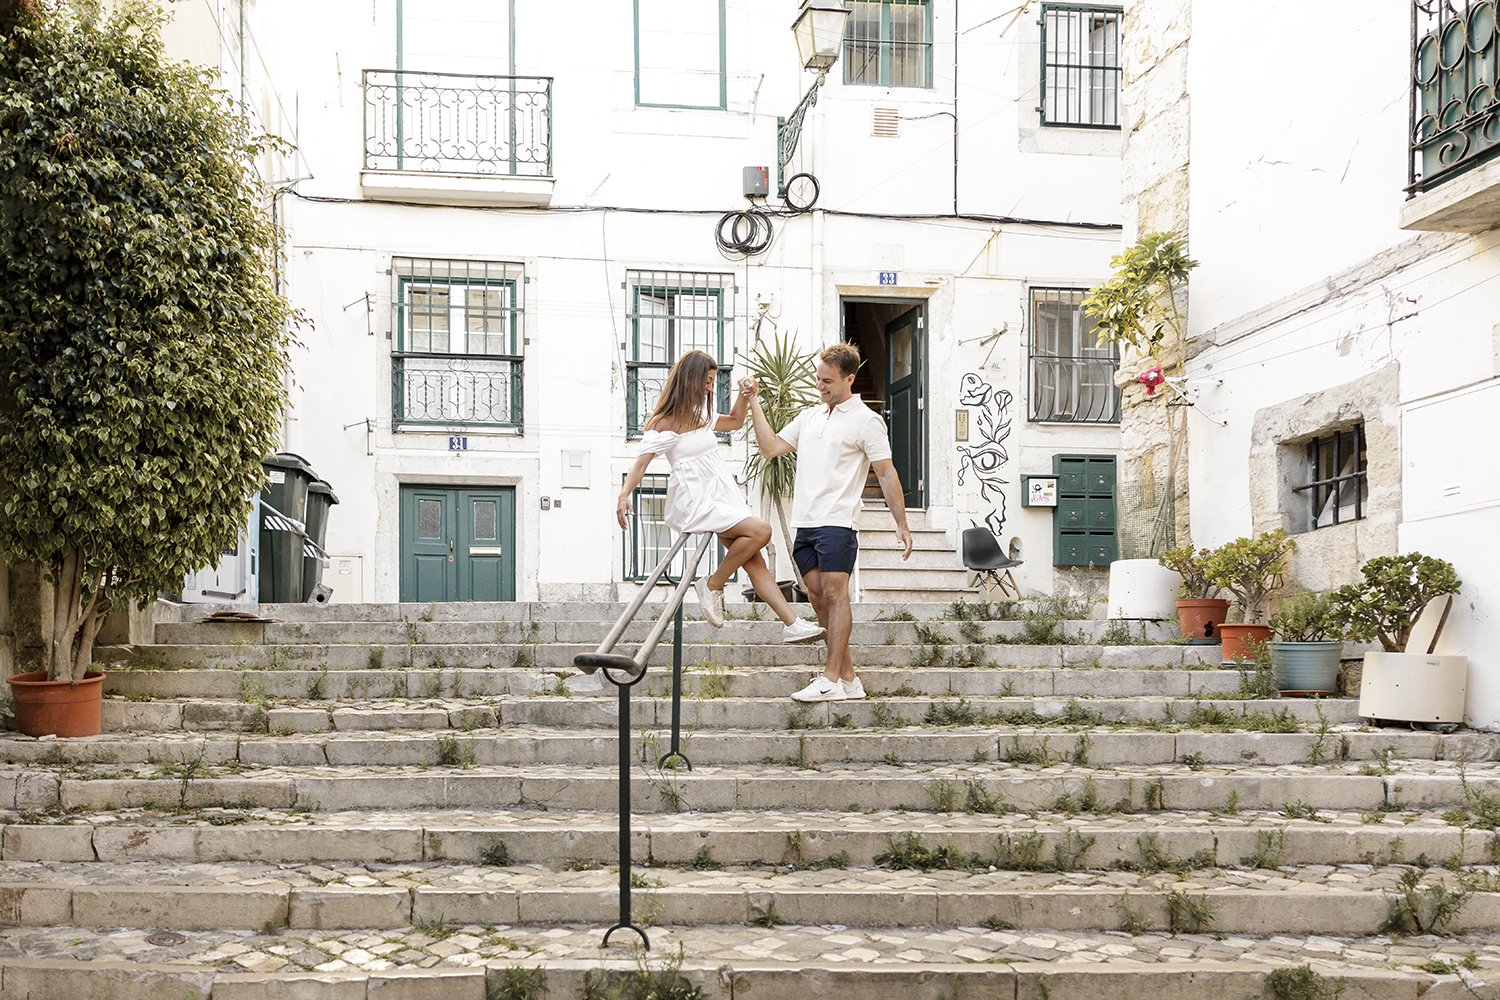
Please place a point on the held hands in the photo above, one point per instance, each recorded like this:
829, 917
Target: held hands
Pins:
749, 388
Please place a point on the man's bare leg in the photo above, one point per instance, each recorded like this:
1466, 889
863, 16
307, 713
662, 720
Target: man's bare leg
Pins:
813, 579
838, 620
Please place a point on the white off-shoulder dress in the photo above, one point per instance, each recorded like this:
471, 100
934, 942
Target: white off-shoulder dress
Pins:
701, 495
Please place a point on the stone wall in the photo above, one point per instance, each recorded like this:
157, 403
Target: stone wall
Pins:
1155, 121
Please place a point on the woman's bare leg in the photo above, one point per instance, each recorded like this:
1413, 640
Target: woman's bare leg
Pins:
765, 585
742, 541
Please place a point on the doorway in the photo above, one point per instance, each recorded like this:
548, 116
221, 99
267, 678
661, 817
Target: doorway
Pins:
891, 335
458, 544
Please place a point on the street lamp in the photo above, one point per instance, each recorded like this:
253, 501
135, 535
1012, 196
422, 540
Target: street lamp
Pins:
819, 30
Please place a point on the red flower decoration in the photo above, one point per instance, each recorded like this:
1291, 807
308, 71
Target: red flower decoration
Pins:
1151, 378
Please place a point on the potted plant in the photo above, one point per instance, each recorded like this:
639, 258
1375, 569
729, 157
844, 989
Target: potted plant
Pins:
132, 426
788, 385
1402, 602
1200, 609
1305, 653
1250, 569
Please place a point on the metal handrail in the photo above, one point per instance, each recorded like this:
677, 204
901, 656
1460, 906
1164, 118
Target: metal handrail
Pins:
631, 670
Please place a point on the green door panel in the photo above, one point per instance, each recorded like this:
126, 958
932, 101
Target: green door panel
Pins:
904, 382
487, 540
458, 545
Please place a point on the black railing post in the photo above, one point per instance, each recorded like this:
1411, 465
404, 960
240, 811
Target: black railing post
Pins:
625, 922
676, 747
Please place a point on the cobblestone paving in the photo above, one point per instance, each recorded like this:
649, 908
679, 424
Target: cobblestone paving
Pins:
474, 946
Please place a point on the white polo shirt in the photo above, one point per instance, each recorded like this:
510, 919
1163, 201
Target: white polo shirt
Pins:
834, 451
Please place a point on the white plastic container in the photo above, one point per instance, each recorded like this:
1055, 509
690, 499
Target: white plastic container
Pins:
1414, 687
1142, 589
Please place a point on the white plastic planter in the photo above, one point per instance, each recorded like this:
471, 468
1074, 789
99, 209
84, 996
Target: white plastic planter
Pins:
1142, 588
1414, 687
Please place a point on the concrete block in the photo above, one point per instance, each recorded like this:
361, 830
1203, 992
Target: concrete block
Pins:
427, 984
38, 792
299, 720
47, 843
334, 908
351, 719
217, 714
290, 986
873, 982
358, 791
150, 716
388, 751
35, 979
874, 909
546, 846
179, 907
472, 717
32, 905
273, 752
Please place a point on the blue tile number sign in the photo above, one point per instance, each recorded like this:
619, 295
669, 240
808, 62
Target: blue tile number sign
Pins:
887, 277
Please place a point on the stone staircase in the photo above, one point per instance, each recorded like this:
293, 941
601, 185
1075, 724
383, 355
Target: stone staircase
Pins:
934, 574
419, 801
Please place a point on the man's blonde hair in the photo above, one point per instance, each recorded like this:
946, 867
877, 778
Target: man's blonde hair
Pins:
845, 356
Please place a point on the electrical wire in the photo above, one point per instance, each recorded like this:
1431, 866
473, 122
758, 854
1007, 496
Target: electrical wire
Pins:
747, 232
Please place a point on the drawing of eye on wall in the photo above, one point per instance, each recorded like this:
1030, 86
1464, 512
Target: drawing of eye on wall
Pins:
986, 457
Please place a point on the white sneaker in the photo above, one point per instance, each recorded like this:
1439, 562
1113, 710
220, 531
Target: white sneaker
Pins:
712, 602
854, 690
821, 689
801, 631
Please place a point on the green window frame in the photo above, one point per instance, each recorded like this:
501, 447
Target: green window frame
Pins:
879, 50
1081, 65
648, 538
457, 358
670, 313
640, 70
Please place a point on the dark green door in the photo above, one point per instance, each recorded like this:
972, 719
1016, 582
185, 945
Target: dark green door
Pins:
904, 391
458, 545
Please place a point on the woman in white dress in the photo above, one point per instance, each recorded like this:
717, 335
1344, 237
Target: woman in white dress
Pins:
701, 495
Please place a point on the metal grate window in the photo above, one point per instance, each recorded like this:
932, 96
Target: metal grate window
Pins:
458, 337
1080, 65
649, 538
671, 313
888, 43
1072, 377
1337, 486
1455, 100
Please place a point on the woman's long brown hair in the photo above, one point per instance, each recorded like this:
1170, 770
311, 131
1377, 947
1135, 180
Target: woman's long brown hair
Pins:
682, 399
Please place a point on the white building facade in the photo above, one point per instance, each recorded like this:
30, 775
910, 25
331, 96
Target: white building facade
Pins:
1344, 326
506, 233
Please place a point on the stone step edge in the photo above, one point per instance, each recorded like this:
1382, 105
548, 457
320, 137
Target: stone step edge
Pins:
718, 980
1313, 910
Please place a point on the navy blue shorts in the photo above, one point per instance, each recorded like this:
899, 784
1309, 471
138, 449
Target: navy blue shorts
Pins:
827, 550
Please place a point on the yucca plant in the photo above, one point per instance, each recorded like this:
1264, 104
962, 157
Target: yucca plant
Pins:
788, 385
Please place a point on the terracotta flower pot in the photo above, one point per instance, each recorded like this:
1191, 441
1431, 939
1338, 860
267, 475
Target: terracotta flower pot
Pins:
58, 708
1200, 619
1242, 642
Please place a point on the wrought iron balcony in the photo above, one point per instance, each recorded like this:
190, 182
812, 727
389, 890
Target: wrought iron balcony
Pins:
1079, 390
458, 123
457, 390
1455, 100
644, 381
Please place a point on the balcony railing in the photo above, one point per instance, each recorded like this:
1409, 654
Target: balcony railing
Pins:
644, 381
458, 123
1079, 390
1455, 101
457, 389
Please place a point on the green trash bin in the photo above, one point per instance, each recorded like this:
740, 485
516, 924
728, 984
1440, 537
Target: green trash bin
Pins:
320, 499
288, 477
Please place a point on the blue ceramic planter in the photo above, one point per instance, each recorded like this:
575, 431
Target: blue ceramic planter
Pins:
1309, 667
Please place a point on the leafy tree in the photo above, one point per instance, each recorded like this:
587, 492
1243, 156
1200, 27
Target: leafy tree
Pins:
1137, 306
143, 340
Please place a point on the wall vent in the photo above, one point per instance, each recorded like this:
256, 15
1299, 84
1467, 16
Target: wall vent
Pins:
885, 123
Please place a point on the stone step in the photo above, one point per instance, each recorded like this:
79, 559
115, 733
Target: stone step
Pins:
1183, 842
1353, 900
597, 707
701, 680
736, 631
459, 962
463, 774
540, 745
528, 655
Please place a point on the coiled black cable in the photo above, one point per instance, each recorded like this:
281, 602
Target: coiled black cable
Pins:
746, 233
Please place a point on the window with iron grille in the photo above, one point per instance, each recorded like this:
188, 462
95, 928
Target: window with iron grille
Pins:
888, 43
1336, 488
680, 54
1072, 377
458, 337
649, 538
1080, 65
671, 313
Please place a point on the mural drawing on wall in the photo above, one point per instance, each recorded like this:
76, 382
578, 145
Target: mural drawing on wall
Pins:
987, 456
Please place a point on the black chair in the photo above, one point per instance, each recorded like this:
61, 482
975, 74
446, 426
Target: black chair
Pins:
988, 562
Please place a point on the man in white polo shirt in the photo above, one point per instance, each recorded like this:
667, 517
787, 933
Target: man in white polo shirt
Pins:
837, 444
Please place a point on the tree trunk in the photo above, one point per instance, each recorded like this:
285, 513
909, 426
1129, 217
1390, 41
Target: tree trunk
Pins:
791, 540
70, 624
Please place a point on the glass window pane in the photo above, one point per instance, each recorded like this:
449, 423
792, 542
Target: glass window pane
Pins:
485, 319
485, 520
678, 47
861, 55
427, 318
697, 323
430, 519
652, 343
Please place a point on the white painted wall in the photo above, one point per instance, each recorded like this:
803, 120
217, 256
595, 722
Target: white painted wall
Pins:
1305, 283
674, 170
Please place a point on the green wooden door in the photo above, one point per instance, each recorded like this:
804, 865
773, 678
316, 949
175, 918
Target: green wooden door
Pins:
903, 338
458, 545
